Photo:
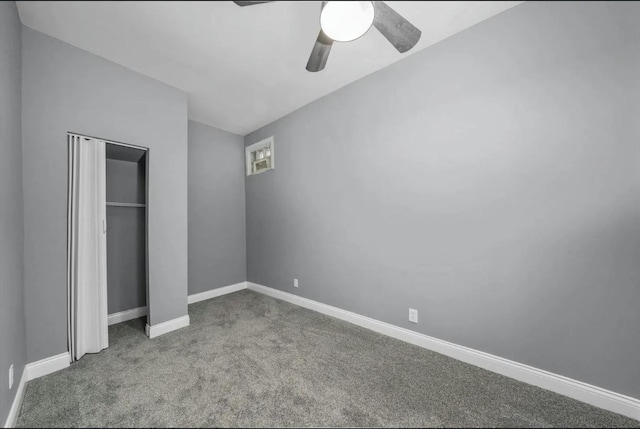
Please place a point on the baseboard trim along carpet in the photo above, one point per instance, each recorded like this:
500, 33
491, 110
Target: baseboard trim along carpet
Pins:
123, 316
584, 392
47, 366
12, 418
153, 331
213, 293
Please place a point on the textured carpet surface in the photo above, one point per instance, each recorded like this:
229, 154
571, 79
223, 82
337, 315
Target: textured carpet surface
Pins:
249, 360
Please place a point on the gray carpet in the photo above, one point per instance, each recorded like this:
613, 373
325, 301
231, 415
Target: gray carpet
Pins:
249, 360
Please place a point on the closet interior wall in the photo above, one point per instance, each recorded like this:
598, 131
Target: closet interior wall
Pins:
126, 228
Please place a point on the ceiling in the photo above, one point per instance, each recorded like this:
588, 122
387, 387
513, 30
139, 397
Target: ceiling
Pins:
243, 67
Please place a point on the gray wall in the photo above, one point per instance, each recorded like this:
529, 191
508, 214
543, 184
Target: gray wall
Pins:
217, 252
12, 322
491, 181
67, 89
126, 242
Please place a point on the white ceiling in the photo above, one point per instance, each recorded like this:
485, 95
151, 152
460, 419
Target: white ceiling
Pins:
243, 67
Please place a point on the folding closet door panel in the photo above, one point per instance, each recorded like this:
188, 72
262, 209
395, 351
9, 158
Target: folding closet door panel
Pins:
126, 235
86, 271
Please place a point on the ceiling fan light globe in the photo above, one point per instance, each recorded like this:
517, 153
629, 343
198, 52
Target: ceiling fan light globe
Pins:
344, 21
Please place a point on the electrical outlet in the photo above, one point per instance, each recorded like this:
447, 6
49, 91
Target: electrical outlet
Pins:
413, 315
11, 376
295, 282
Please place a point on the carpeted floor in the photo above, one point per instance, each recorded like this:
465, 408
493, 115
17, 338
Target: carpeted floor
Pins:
249, 360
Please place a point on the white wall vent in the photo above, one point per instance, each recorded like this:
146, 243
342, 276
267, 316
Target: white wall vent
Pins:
260, 157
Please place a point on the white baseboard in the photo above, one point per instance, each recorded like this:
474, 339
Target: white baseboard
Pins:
213, 293
47, 366
14, 411
123, 316
584, 392
166, 327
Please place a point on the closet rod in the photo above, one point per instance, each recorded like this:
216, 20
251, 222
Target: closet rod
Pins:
115, 204
110, 141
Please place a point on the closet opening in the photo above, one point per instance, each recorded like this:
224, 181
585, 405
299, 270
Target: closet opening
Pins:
126, 234
107, 241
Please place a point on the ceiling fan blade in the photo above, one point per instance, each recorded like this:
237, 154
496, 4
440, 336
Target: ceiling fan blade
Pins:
401, 33
250, 3
320, 53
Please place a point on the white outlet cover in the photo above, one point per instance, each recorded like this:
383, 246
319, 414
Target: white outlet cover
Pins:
295, 282
413, 315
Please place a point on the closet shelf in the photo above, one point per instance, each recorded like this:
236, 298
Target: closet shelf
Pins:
115, 204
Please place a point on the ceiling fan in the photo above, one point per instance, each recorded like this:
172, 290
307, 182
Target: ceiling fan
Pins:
344, 21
